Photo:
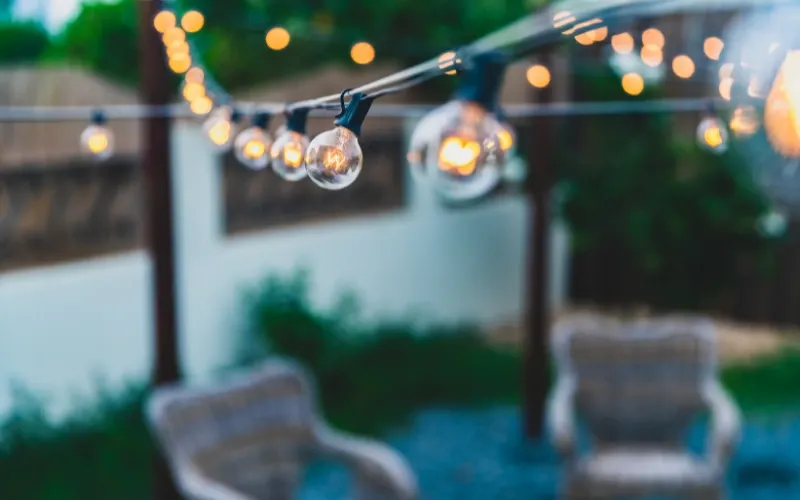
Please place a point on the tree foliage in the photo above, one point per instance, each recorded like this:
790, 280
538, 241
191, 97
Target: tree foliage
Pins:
678, 220
22, 42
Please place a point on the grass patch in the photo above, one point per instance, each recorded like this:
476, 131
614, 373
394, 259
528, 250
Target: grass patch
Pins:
770, 383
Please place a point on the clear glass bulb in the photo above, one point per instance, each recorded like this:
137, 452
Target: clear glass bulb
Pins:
252, 146
419, 144
507, 140
98, 141
220, 129
468, 155
288, 156
712, 135
334, 159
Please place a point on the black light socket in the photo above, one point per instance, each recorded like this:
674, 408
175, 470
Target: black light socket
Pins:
354, 114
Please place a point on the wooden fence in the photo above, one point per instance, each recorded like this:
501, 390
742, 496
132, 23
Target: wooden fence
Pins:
758, 295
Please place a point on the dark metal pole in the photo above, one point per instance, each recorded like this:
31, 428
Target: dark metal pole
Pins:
154, 90
535, 351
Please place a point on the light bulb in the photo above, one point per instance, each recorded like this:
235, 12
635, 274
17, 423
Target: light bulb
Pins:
507, 139
712, 135
288, 156
419, 144
220, 128
468, 156
334, 159
97, 139
744, 121
251, 146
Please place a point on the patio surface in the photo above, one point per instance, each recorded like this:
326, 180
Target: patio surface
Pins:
476, 455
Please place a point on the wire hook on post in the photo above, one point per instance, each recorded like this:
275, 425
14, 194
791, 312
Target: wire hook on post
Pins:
341, 102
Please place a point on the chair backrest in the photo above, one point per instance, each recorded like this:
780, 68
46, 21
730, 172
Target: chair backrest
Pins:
253, 433
637, 382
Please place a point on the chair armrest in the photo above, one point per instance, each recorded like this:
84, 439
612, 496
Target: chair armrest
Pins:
560, 417
380, 472
725, 423
195, 486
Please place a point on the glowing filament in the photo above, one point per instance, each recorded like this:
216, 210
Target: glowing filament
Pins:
220, 133
254, 149
334, 160
97, 143
293, 155
459, 156
505, 139
713, 137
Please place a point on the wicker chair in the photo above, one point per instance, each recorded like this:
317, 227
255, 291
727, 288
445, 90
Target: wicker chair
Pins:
638, 387
250, 438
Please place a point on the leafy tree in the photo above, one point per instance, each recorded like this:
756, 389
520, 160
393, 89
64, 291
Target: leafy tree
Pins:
103, 37
22, 42
673, 219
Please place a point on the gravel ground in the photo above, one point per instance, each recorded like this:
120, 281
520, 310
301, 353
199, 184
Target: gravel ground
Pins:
477, 455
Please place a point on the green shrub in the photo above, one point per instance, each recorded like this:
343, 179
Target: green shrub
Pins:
371, 376
22, 42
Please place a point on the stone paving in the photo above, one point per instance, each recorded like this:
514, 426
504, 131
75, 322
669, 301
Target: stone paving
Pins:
476, 455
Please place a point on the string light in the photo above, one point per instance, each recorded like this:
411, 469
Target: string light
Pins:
220, 128
97, 140
192, 21
362, 53
744, 121
633, 83
725, 88
194, 75
173, 36
712, 47
289, 149
622, 43
180, 63
712, 135
653, 36
781, 120
334, 158
462, 144
652, 55
193, 91
278, 38
449, 60
201, 105
163, 21
538, 76
251, 146
683, 66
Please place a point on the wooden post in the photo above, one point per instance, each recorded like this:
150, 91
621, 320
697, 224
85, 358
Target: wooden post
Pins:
535, 372
155, 91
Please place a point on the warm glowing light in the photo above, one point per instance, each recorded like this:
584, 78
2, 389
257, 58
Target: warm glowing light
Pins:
653, 36
220, 132
278, 38
505, 139
538, 76
683, 66
633, 84
713, 47
194, 75
173, 36
97, 143
254, 149
362, 53
192, 91
293, 155
163, 21
713, 137
725, 71
448, 60
744, 121
782, 108
459, 156
334, 160
599, 34
201, 105
585, 38
561, 19
178, 48
725, 88
180, 63
622, 43
652, 55
192, 21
